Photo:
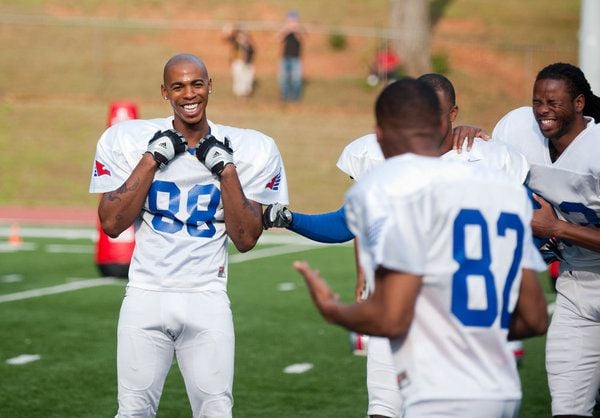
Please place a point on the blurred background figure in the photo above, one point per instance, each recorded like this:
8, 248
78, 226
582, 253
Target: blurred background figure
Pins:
291, 36
241, 58
385, 66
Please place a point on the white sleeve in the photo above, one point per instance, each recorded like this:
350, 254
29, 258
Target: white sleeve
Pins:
111, 167
499, 132
516, 165
360, 156
265, 182
347, 164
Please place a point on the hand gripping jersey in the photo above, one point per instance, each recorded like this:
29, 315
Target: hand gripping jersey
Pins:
570, 184
181, 243
466, 231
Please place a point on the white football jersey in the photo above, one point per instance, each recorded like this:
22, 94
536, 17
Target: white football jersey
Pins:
495, 155
466, 231
360, 156
571, 183
181, 242
364, 153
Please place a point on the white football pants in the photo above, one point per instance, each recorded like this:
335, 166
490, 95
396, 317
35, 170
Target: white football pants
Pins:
197, 328
573, 344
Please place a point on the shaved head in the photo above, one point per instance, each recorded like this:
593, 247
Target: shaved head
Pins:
187, 86
179, 58
408, 117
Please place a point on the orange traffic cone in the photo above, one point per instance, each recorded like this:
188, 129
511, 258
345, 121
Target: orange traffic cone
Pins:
14, 238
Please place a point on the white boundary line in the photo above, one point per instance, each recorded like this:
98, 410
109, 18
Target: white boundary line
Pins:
51, 232
61, 288
270, 252
84, 284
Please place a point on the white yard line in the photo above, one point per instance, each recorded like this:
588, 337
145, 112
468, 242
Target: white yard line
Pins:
268, 252
35, 232
68, 248
84, 284
61, 288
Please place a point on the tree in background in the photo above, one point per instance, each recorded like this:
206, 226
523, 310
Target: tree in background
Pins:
411, 22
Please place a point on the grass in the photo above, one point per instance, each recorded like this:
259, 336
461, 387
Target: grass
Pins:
75, 335
59, 76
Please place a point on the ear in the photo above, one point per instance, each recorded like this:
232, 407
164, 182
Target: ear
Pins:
453, 113
380, 139
163, 92
378, 134
579, 103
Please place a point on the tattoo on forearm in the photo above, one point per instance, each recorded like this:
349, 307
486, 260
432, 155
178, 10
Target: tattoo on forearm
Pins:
112, 196
249, 206
135, 184
115, 196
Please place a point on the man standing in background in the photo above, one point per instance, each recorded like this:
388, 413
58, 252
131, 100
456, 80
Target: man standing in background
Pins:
291, 36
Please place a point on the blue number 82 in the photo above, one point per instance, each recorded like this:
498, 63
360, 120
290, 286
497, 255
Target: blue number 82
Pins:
480, 268
199, 222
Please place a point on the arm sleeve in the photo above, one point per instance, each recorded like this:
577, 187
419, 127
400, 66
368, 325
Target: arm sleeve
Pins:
327, 227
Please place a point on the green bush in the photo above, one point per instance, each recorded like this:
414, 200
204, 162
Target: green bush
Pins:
338, 41
439, 63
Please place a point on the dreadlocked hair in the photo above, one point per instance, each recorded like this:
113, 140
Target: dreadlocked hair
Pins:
576, 83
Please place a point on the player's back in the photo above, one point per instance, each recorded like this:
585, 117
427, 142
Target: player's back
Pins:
463, 229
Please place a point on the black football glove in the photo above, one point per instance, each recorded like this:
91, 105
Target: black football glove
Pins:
550, 250
277, 215
215, 155
165, 145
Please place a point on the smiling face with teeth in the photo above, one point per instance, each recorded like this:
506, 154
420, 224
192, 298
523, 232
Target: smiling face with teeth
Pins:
187, 86
558, 114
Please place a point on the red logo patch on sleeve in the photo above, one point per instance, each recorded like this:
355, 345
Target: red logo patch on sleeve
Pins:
101, 170
273, 184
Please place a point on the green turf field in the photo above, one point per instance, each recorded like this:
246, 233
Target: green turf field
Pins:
73, 333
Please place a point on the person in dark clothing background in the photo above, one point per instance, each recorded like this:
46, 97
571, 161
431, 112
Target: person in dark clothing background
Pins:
291, 36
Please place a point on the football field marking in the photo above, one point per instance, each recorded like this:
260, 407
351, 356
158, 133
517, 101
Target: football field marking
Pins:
11, 278
88, 283
23, 359
286, 287
298, 368
70, 248
269, 252
61, 288
6, 247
